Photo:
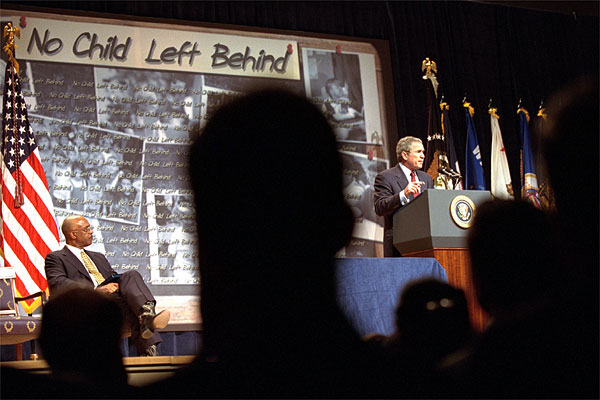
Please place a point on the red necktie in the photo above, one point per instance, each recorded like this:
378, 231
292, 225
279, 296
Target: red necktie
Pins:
413, 178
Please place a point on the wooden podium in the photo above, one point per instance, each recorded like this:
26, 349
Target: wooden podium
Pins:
435, 224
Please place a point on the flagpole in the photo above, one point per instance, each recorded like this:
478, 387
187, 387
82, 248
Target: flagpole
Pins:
436, 156
529, 188
19, 200
28, 229
9, 48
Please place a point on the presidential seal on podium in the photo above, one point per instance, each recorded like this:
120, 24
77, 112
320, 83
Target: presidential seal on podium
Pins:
462, 210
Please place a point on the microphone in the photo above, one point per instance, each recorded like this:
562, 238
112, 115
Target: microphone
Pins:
449, 172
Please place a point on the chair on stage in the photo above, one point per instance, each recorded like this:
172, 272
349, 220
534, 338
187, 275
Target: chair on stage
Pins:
15, 328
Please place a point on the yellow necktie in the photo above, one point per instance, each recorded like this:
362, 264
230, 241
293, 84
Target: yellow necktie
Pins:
92, 268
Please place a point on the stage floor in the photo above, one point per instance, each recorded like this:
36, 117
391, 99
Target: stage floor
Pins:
140, 370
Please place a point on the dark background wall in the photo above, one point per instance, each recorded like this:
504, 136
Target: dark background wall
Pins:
483, 50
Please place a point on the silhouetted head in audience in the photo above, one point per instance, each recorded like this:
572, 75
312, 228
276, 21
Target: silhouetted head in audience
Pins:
513, 257
432, 319
570, 148
271, 214
80, 339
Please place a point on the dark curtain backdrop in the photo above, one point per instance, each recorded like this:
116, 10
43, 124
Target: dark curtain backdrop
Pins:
484, 51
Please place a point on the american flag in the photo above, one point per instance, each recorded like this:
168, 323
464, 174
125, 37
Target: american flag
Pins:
28, 230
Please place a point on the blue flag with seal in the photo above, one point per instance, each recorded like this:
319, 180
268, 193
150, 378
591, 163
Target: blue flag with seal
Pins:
473, 179
529, 185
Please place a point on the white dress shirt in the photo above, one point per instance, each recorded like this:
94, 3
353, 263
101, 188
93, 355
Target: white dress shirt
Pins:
403, 199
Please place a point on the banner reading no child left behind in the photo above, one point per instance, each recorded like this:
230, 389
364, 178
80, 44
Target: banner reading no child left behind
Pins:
159, 49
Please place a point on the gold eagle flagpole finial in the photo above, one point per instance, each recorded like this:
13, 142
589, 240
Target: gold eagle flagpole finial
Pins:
9, 48
429, 67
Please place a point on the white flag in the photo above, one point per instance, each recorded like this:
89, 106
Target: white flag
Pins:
501, 182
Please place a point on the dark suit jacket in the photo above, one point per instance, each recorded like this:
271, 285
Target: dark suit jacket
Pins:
63, 269
388, 185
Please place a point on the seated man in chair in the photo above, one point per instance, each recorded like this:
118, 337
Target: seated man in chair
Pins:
72, 266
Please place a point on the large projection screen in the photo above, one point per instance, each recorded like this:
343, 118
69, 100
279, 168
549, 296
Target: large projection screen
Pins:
112, 102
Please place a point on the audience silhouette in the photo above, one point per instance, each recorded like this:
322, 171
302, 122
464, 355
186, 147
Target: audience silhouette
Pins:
526, 350
514, 262
432, 321
570, 148
271, 214
80, 339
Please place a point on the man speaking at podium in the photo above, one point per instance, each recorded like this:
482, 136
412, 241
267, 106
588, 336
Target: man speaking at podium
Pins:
399, 185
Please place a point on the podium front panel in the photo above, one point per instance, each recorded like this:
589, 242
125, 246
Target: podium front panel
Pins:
426, 222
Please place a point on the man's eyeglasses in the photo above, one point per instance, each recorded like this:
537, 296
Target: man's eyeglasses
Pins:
87, 229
